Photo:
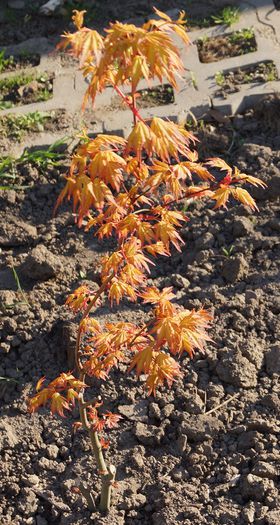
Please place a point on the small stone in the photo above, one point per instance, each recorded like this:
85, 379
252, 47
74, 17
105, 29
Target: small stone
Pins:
234, 268
41, 264
255, 487
265, 470
177, 474
179, 281
194, 405
242, 226
251, 296
181, 443
139, 500
154, 411
52, 451
205, 241
32, 480
137, 456
201, 427
249, 513
31, 87
8, 437
168, 410
7, 298
135, 412
272, 360
4, 348
148, 434
235, 369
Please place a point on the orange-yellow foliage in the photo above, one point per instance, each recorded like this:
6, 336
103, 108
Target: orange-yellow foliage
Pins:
129, 189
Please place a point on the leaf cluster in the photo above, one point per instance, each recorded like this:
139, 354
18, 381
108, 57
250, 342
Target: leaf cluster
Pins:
129, 189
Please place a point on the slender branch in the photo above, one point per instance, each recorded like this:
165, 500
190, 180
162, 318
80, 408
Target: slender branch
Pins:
131, 105
134, 108
87, 311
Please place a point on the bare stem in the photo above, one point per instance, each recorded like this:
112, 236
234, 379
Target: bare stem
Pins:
108, 473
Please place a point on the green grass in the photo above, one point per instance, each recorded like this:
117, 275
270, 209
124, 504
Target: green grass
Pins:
228, 16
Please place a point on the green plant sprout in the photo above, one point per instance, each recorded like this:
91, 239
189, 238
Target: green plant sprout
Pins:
228, 16
228, 251
220, 78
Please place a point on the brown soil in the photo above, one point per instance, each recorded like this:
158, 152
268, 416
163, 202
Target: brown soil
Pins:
257, 73
147, 98
231, 45
223, 467
177, 463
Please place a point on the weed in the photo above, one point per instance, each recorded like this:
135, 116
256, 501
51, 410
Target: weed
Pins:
193, 80
19, 287
10, 86
228, 251
41, 158
5, 62
228, 16
242, 35
16, 125
21, 79
220, 78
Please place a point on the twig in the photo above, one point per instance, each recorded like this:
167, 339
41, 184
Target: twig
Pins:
222, 404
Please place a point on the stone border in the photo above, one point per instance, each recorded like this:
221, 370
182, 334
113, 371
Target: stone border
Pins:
196, 93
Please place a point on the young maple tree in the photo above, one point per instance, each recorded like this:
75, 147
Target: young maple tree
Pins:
128, 189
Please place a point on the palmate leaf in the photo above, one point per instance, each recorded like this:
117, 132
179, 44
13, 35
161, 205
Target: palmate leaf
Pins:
216, 162
221, 196
244, 197
142, 360
163, 368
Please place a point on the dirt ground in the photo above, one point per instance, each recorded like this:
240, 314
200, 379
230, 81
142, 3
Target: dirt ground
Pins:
183, 457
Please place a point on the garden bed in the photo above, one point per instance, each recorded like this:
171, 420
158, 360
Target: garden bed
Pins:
13, 62
230, 81
25, 88
207, 450
234, 44
170, 448
15, 128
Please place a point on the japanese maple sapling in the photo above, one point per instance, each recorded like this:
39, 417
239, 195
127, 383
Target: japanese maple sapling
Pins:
116, 186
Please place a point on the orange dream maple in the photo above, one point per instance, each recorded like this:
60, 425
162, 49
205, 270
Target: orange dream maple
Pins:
128, 189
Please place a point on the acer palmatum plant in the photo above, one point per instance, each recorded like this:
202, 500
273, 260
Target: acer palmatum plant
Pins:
129, 189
